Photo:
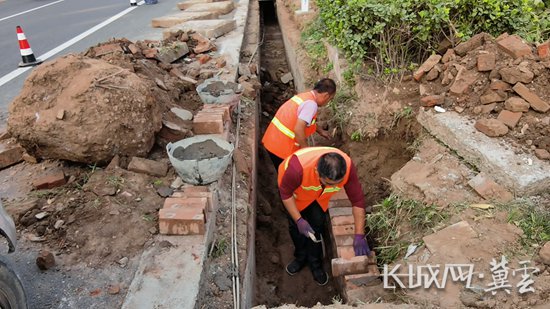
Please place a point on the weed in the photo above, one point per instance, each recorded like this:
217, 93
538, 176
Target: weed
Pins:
147, 217
312, 40
157, 182
115, 181
406, 113
340, 107
396, 222
357, 136
532, 220
220, 247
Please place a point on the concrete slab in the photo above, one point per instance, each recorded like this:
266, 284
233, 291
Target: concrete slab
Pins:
172, 20
212, 28
168, 277
521, 174
220, 8
186, 4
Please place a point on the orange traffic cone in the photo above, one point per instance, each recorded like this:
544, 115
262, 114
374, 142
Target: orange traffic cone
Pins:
25, 49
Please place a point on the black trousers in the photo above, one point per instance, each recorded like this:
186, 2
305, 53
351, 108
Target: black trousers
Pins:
305, 249
276, 161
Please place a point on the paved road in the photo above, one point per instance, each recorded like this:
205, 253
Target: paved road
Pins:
47, 28
49, 24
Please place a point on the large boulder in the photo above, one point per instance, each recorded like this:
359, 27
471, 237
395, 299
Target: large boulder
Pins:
84, 110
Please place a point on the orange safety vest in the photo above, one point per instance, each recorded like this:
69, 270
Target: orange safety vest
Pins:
311, 189
279, 138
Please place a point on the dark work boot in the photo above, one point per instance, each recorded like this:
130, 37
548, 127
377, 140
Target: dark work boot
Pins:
320, 276
294, 267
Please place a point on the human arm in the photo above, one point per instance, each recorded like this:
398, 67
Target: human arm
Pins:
292, 179
322, 132
300, 133
357, 199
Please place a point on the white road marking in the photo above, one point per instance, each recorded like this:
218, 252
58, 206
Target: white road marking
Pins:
13, 74
27, 11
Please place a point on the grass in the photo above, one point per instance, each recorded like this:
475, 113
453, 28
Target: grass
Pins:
312, 40
220, 247
340, 107
406, 113
533, 220
115, 181
396, 222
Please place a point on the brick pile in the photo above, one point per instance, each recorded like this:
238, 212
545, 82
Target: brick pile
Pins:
501, 83
186, 212
346, 267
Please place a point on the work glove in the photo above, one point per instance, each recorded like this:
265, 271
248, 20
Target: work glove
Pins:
360, 245
304, 228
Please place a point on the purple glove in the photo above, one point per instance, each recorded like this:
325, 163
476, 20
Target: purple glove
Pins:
360, 245
304, 228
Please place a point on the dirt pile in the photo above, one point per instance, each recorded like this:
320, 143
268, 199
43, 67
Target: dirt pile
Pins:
112, 99
500, 83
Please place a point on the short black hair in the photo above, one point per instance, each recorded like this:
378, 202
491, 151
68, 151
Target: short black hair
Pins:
332, 166
325, 85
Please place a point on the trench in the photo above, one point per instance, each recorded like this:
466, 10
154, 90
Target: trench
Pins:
376, 161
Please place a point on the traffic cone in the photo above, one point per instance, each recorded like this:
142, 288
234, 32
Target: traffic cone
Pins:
133, 2
25, 49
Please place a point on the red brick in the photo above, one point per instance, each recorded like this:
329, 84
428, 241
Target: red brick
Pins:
10, 154
340, 230
514, 46
544, 50
204, 58
464, 79
194, 189
491, 127
339, 211
185, 202
344, 240
500, 85
107, 49
426, 66
150, 53
208, 124
536, 103
516, 104
210, 197
509, 118
542, 154
342, 220
181, 222
491, 97
432, 100
489, 189
150, 167
51, 180
353, 265
487, 108
345, 252
448, 56
486, 62
226, 108
220, 63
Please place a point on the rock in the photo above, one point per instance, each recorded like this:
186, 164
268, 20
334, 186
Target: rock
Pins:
432, 100
4, 134
433, 73
487, 108
489, 189
473, 43
60, 115
45, 260
426, 66
10, 153
150, 167
114, 164
286, 78
220, 63
41, 215
203, 44
113, 289
542, 154
448, 56
516, 104
204, 58
90, 132
491, 97
123, 262
165, 191
161, 84
509, 118
181, 113
486, 62
177, 183
491, 127
544, 253
52, 180
514, 75
422, 90
58, 224
172, 52
514, 46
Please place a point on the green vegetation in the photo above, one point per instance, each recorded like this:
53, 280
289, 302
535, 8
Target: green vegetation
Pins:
312, 40
340, 106
395, 223
532, 220
219, 247
392, 34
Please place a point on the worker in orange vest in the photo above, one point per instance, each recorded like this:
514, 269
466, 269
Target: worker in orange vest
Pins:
307, 180
296, 120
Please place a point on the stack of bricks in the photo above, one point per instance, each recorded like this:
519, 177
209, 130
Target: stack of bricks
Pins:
213, 119
185, 212
345, 263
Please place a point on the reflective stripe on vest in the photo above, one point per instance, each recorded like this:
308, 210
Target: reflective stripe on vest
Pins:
286, 131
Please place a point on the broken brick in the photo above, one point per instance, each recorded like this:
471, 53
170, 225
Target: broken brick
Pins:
50, 181
515, 75
536, 103
544, 50
542, 154
107, 49
489, 189
491, 97
432, 100
514, 46
500, 85
426, 66
448, 56
204, 58
509, 118
516, 104
463, 80
491, 127
486, 62
10, 154
150, 167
